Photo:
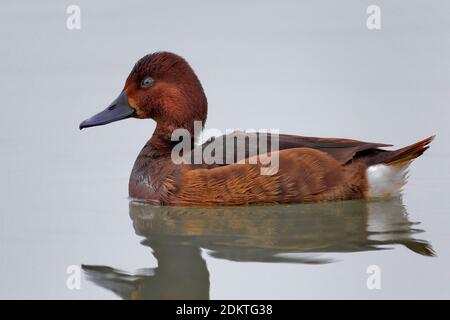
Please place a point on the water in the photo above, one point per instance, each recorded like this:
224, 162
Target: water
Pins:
296, 234
64, 192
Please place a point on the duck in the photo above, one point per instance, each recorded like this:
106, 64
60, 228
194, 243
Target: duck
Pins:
163, 86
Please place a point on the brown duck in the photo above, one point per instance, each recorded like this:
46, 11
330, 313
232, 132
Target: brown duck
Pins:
162, 86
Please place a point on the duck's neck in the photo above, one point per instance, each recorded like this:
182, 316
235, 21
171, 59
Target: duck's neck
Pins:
161, 143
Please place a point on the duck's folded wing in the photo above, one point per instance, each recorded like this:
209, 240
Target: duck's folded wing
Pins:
294, 175
239, 145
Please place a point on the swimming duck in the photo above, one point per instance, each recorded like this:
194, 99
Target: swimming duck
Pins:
163, 86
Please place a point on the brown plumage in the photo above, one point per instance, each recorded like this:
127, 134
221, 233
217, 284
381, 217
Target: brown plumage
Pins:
310, 169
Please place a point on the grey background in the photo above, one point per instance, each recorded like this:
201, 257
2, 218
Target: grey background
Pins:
304, 67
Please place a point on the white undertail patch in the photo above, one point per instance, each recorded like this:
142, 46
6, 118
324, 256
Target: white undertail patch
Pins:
387, 181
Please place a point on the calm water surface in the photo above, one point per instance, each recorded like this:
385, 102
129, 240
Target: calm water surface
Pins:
300, 67
296, 234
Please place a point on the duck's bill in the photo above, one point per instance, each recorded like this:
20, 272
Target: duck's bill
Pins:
118, 110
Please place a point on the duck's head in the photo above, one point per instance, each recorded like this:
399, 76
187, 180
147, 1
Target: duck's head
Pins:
162, 86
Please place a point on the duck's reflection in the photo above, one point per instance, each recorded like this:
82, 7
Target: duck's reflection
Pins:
288, 233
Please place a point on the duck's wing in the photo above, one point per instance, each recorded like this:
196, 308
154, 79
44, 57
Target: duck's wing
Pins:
228, 149
293, 175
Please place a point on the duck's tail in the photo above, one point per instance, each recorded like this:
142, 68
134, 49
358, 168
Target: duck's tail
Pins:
390, 173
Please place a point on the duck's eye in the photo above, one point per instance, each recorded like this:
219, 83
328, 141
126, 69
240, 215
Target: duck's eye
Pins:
147, 82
